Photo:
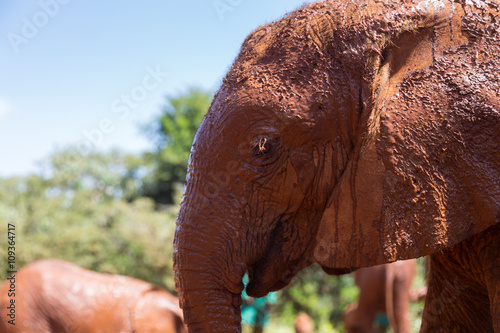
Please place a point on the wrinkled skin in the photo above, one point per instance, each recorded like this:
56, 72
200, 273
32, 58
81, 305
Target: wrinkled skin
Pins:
350, 134
382, 289
58, 296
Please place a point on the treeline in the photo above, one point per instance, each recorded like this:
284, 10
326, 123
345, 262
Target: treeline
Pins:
109, 212
115, 213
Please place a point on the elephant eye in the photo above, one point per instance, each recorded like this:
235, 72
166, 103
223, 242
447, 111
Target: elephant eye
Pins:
261, 147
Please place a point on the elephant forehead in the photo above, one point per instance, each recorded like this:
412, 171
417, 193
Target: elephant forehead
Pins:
265, 99
317, 25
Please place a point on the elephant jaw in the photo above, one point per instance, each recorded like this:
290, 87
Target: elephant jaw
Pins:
267, 275
260, 284
259, 287
338, 271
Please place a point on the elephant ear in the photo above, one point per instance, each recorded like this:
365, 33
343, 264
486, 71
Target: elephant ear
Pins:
426, 174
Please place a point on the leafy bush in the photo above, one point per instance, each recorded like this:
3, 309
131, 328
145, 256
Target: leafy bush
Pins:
78, 213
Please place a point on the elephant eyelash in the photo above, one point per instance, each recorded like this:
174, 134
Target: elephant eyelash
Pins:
261, 147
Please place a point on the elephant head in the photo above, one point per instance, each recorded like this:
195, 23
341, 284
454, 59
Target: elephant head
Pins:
344, 135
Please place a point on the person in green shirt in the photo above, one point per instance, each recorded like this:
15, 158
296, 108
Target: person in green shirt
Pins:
255, 312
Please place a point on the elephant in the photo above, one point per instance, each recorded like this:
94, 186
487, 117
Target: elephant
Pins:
350, 134
303, 323
385, 289
53, 295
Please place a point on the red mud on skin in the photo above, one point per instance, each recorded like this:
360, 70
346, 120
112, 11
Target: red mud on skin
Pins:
58, 296
379, 125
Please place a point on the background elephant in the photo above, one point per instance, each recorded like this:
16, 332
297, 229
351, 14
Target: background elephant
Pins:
303, 323
351, 134
383, 289
58, 296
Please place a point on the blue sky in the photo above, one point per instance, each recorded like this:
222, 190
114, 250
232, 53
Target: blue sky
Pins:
89, 73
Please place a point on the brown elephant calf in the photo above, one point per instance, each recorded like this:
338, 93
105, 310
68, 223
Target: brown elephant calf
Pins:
58, 296
303, 323
383, 289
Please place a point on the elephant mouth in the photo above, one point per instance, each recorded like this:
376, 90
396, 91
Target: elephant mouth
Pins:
272, 272
338, 271
280, 263
262, 282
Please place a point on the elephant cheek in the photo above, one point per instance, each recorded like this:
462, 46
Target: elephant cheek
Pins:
350, 232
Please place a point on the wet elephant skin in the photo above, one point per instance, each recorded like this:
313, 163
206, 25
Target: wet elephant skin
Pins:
382, 289
55, 296
350, 134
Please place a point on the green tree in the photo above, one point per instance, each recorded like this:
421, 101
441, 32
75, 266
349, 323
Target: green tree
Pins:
174, 131
77, 209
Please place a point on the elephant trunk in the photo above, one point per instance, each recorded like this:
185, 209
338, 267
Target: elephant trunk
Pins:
208, 274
